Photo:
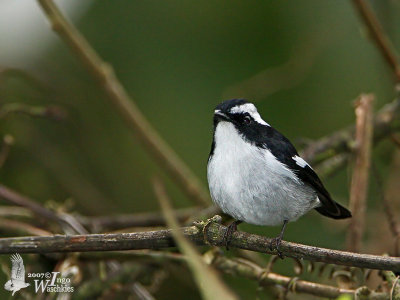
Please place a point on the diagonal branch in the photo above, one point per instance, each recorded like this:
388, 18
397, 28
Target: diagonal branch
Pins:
125, 105
204, 233
9, 225
62, 219
15, 198
378, 35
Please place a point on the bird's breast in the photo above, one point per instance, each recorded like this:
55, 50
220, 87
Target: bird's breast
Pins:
250, 184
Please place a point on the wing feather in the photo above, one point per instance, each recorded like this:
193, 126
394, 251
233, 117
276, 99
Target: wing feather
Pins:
17, 268
286, 153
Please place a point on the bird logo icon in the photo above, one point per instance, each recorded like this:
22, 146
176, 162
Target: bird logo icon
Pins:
17, 280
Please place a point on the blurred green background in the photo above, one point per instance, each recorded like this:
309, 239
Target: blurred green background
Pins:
302, 62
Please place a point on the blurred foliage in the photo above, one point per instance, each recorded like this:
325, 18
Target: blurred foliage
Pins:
179, 60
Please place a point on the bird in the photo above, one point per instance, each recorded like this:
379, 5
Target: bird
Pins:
17, 280
255, 174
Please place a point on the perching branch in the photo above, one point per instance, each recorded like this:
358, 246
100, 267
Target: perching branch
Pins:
203, 233
125, 105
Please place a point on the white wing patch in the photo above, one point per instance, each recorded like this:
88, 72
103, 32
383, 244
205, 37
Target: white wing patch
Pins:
300, 162
251, 110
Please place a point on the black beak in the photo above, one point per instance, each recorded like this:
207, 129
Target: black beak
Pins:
220, 116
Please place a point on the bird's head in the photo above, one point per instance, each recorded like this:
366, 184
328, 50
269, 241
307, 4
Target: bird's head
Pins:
9, 285
240, 112
240, 117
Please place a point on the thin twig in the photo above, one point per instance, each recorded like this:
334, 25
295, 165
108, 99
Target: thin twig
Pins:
125, 105
214, 235
394, 295
52, 112
8, 225
13, 197
392, 281
378, 35
359, 182
141, 292
62, 219
15, 211
330, 166
7, 72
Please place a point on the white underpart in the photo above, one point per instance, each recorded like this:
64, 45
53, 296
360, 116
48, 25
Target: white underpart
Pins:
251, 185
251, 110
300, 162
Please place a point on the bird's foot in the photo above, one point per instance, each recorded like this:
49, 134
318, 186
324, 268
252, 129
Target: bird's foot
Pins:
275, 245
276, 242
228, 233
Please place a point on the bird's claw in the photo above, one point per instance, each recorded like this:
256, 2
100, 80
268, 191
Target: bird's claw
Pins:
275, 245
228, 234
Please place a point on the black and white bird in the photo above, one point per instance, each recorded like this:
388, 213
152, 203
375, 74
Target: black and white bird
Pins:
256, 176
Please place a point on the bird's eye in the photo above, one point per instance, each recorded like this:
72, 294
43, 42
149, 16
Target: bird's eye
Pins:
247, 120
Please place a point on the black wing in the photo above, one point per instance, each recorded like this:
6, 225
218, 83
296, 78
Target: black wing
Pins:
284, 151
329, 207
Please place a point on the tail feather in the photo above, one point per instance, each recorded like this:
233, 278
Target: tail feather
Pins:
343, 212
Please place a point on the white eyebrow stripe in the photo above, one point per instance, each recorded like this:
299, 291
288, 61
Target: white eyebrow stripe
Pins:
251, 110
300, 162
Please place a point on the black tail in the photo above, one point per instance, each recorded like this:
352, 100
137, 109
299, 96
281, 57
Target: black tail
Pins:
342, 213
